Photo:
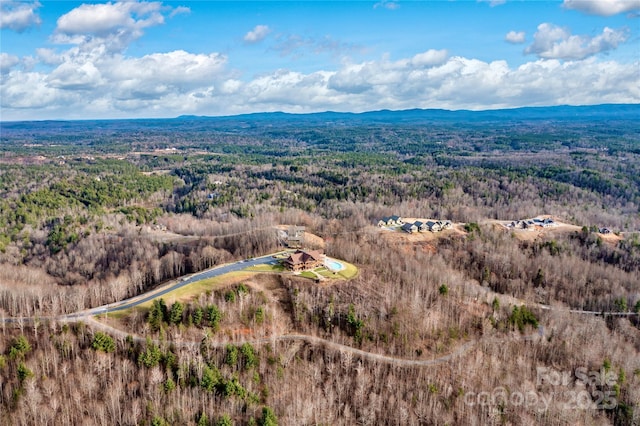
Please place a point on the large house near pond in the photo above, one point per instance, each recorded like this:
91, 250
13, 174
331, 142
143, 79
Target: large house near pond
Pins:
303, 260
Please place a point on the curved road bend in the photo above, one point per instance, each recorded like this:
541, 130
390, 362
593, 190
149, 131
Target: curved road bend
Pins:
313, 340
181, 282
152, 294
269, 260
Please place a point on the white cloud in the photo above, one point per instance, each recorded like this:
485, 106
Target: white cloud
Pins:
493, 3
457, 83
48, 56
553, 42
515, 37
180, 10
429, 58
603, 7
105, 18
29, 91
155, 75
386, 4
258, 34
75, 76
7, 62
360, 78
297, 46
112, 26
18, 15
96, 83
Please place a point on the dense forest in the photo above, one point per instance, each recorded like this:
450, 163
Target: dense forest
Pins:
95, 212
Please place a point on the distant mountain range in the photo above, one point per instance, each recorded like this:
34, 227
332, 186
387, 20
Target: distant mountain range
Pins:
236, 123
605, 111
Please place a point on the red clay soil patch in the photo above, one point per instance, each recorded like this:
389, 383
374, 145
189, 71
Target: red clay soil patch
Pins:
311, 240
611, 239
240, 331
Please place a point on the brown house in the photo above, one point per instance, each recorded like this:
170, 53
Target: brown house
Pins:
302, 260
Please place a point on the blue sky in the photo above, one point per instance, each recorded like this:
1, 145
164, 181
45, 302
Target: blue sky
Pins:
78, 60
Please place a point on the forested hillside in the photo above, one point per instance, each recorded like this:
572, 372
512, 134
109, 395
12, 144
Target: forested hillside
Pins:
95, 212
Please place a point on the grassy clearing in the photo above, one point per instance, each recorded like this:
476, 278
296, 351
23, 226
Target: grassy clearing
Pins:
118, 315
266, 268
327, 273
192, 290
349, 271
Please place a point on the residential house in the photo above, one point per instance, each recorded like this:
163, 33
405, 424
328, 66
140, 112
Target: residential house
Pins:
390, 221
422, 227
433, 226
410, 228
385, 221
397, 219
303, 260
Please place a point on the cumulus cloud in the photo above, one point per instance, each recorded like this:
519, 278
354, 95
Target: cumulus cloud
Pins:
7, 62
71, 76
19, 15
603, 7
153, 76
113, 85
515, 37
257, 34
29, 90
358, 78
179, 82
105, 18
112, 25
48, 56
95, 77
429, 58
554, 42
456, 83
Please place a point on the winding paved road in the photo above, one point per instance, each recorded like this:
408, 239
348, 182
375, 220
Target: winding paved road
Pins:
89, 314
157, 292
181, 282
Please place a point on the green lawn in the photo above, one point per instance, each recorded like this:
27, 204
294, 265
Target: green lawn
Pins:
194, 289
265, 268
327, 273
349, 271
